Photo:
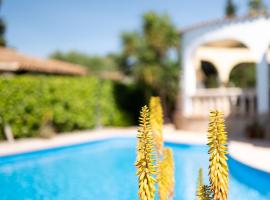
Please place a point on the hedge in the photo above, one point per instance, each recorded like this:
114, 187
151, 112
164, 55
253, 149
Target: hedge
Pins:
75, 103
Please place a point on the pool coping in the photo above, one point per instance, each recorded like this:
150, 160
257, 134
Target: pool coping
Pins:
257, 155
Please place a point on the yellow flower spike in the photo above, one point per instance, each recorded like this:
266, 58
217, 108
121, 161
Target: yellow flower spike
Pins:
218, 167
166, 175
203, 191
200, 184
145, 157
156, 120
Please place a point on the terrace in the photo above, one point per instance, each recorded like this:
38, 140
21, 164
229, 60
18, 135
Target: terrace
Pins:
90, 122
217, 48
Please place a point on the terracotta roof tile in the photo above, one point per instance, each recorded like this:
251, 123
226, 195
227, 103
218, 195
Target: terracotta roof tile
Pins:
10, 60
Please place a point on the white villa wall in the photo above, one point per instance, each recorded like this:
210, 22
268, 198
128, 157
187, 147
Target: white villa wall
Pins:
252, 32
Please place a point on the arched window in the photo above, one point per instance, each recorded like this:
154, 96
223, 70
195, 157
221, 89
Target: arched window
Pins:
243, 75
210, 75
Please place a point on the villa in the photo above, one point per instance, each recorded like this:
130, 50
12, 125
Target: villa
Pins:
66, 132
224, 44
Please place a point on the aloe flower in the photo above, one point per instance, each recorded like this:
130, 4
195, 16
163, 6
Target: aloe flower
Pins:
203, 191
156, 120
166, 175
218, 167
145, 157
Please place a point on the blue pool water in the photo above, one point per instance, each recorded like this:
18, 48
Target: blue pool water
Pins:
104, 170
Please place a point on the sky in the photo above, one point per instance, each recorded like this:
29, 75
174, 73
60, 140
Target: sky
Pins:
40, 27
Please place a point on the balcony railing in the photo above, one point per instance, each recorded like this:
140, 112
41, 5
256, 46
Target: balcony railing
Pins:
231, 101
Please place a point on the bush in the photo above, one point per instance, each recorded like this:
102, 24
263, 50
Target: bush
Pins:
130, 99
75, 103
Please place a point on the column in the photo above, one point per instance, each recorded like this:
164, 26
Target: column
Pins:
188, 83
262, 85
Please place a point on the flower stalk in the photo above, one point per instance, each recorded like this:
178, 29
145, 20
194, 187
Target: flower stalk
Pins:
218, 167
145, 162
156, 120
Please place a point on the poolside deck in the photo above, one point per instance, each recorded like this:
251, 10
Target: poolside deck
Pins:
255, 154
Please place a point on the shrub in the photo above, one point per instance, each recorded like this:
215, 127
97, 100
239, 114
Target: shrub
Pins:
129, 98
75, 102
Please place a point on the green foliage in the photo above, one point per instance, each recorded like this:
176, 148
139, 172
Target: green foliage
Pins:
230, 10
256, 7
75, 103
243, 76
160, 34
146, 57
46, 129
209, 75
130, 42
129, 99
94, 63
203, 191
2, 30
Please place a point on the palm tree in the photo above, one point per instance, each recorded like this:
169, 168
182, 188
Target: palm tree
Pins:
2, 30
230, 10
146, 54
256, 7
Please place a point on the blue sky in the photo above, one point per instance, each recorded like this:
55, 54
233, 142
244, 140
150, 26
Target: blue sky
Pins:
93, 26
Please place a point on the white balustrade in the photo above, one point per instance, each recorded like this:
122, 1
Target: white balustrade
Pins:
231, 101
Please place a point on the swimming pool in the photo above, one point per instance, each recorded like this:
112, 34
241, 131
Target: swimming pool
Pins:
104, 170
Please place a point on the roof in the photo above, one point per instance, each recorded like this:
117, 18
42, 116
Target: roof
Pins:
222, 21
12, 61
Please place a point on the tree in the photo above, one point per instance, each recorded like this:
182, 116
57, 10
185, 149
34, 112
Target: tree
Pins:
2, 30
93, 63
146, 55
256, 7
230, 10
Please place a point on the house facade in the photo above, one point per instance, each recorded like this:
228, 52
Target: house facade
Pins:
225, 44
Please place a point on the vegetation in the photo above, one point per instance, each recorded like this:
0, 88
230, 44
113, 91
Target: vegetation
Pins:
161, 164
95, 64
256, 7
218, 167
148, 59
209, 75
203, 191
150, 140
149, 56
165, 176
156, 119
74, 102
145, 157
230, 10
243, 76
2, 30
